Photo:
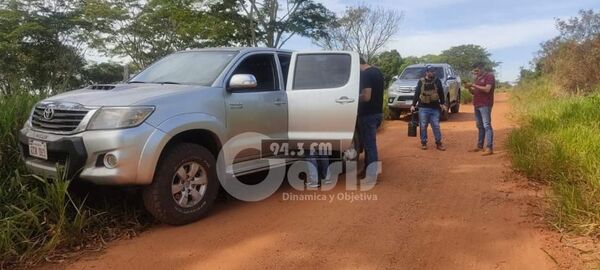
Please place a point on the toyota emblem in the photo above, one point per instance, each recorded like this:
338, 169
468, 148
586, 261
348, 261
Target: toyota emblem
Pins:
48, 113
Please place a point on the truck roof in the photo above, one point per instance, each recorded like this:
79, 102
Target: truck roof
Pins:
240, 49
430, 64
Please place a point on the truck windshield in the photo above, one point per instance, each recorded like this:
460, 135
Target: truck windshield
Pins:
198, 68
419, 72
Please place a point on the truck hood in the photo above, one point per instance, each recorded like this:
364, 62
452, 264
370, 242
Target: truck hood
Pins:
121, 94
404, 85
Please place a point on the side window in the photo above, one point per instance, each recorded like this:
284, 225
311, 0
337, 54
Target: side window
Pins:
263, 67
317, 71
284, 60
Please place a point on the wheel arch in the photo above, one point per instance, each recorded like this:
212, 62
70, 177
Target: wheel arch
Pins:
203, 137
201, 129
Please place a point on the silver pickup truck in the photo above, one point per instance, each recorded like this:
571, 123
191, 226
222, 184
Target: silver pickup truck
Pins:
165, 128
402, 90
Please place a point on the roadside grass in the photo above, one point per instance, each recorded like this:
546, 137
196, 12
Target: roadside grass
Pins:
51, 220
558, 142
466, 97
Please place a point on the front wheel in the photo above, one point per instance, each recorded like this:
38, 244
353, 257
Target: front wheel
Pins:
394, 114
446, 113
185, 185
456, 107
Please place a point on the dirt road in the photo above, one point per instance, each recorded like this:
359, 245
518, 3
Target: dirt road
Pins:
434, 210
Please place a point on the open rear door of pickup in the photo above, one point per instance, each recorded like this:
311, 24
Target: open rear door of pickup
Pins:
322, 93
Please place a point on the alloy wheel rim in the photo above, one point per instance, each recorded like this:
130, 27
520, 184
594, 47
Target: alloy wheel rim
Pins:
189, 184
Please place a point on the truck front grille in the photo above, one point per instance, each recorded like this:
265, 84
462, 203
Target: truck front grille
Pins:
61, 120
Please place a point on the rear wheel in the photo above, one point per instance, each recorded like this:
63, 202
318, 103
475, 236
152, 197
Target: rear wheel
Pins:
185, 185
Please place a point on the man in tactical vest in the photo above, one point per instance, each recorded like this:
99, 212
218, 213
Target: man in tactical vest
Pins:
429, 97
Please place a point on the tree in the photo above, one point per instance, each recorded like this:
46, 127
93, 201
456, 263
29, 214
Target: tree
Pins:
39, 45
431, 58
275, 24
577, 46
389, 63
102, 73
363, 29
463, 57
148, 30
526, 74
580, 29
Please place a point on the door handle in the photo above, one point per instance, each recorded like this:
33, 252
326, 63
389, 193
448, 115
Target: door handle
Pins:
236, 105
344, 100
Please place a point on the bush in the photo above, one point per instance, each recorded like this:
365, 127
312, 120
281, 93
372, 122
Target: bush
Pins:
572, 59
575, 66
14, 110
466, 97
559, 143
41, 218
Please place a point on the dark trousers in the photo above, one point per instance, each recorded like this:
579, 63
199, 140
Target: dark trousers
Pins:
368, 125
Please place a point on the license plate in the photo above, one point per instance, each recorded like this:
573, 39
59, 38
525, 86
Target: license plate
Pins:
408, 102
38, 149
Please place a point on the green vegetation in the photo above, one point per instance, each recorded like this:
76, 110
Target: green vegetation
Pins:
559, 138
39, 217
466, 97
559, 143
389, 63
462, 58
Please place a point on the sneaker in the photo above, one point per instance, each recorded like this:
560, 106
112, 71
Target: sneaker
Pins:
440, 147
361, 174
327, 181
475, 150
488, 152
312, 185
369, 180
423, 147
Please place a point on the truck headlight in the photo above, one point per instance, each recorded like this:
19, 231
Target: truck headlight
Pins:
119, 117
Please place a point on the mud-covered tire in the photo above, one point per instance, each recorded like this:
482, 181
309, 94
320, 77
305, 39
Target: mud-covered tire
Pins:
159, 199
455, 108
394, 114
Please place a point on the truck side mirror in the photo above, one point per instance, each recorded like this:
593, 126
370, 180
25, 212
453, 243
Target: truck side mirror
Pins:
242, 81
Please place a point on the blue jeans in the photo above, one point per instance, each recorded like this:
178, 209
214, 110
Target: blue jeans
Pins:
318, 168
430, 116
367, 126
483, 116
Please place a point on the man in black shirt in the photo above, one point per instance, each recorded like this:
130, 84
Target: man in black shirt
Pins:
370, 115
429, 96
